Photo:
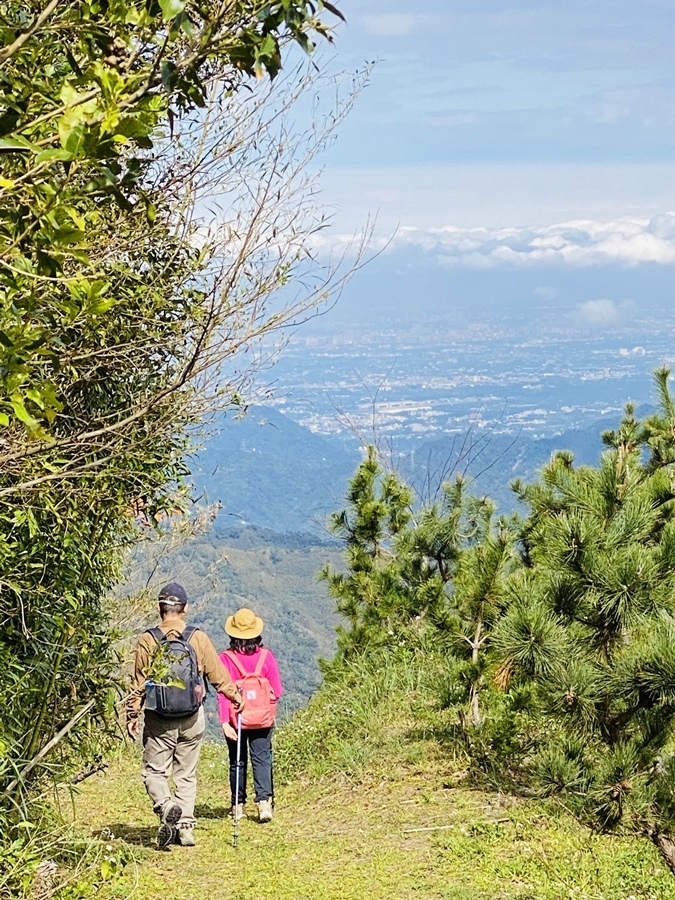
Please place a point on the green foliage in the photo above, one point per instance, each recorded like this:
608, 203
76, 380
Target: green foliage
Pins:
528, 637
593, 630
558, 627
357, 719
559, 768
437, 571
45, 858
371, 595
76, 170
112, 316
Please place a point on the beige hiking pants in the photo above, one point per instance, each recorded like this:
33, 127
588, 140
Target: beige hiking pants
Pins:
171, 748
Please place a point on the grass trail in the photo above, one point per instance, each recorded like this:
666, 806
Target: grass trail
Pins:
358, 841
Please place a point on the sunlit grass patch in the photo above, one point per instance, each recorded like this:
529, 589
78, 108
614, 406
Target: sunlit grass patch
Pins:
395, 833
370, 806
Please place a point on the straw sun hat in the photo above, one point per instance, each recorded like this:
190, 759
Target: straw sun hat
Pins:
244, 624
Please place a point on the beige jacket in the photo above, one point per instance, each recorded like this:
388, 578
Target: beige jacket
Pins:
207, 659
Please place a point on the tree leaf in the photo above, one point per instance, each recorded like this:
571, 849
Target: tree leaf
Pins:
171, 8
73, 140
58, 153
22, 413
12, 144
333, 9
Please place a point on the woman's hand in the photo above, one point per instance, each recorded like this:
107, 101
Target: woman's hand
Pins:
229, 731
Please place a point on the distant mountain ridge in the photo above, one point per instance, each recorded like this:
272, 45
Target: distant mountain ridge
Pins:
267, 470
493, 461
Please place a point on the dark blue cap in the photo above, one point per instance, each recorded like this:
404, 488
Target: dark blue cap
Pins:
173, 594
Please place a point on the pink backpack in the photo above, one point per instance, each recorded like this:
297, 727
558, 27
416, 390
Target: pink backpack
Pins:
259, 700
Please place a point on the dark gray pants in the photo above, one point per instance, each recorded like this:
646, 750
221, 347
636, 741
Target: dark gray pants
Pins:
257, 741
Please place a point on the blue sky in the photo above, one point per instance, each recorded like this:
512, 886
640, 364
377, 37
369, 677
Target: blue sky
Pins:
565, 81
521, 116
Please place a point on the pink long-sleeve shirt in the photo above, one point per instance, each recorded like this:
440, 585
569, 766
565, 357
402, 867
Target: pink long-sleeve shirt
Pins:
248, 661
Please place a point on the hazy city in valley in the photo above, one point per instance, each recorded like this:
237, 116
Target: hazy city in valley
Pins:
407, 388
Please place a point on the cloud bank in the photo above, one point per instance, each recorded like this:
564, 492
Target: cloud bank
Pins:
579, 243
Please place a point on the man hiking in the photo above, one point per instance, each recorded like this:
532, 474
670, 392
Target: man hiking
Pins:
171, 661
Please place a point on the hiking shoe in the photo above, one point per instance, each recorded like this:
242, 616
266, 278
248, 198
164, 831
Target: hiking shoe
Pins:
186, 835
166, 835
171, 813
265, 813
237, 812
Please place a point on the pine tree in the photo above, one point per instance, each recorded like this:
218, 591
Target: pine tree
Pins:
370, 594
430, 577
456, 557
591, 622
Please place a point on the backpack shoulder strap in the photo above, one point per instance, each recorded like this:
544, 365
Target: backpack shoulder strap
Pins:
261, 661
157, 633
233, 656
188, 631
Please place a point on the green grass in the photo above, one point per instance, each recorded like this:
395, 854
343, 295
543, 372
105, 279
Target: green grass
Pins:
370, 806
337, 838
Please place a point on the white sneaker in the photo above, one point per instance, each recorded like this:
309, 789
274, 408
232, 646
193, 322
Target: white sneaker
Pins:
265, 813
186, 835
237, 812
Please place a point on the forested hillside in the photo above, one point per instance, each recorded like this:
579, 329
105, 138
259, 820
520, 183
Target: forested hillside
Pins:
264, 469
274, 574
490, 461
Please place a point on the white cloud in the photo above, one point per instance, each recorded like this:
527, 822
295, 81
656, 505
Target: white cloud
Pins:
579, 243
391, 24
663, 226
599, 312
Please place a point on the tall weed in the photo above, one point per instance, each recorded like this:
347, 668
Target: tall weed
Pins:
45, 858
362, 712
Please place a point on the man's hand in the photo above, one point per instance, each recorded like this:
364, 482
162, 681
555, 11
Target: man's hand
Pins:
132, 729
238, 701
229, 731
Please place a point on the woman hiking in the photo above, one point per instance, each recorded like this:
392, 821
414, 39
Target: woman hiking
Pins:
254, 669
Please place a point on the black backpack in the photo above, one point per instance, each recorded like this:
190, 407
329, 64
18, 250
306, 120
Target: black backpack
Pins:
181, 691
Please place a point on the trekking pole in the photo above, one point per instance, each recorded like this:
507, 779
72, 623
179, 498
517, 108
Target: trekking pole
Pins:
235, 811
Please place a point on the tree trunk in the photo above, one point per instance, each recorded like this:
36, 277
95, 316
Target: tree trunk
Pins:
475, 715
666, 847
